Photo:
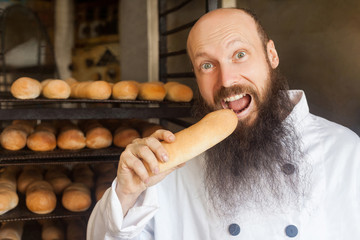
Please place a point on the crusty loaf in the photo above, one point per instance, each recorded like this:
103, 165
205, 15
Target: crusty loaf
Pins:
40, 197
125, 135
125, 90
98, 90
178, 92
98, 137
56, 89
76, 197
13, 138
41, 141
154, 91
8, 197
11, 230
28, 175
71, 139
194, 140
58, 179
26, 88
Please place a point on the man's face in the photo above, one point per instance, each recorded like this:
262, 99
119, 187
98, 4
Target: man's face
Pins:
230, 63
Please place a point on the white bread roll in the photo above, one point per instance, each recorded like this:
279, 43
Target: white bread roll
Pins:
71, 139
11, 230
196, 139
13, 138
41, 141
76, 197
153, 91
56, 89
98, 137
124, 136
40, 197
125, 90
177, 92
26, 88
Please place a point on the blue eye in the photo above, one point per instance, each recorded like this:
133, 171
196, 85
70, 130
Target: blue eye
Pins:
240, 55
206, 66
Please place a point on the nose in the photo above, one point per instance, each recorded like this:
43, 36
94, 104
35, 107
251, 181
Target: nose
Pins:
227, 75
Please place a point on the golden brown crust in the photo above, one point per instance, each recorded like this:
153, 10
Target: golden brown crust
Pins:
13, 138
71, 139
76, 198
56, 89
40, 197
177, 92
125, 90
124, 136
41, 141
98, 90
153, 91
26, 88
98, 137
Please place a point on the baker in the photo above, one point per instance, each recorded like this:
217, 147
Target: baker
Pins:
284, 173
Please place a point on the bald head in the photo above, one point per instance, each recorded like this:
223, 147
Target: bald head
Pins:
211, 23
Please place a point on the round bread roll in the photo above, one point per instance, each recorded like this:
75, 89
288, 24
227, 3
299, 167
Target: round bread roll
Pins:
58, 180
26, 88
98, 137
56, 89
78, 89
41, 141
11, 230
26, 125
29, 175
98, 90
46, 126
124, 136
8, 197
177, 92
125, 90
40, 197
153, 91
76, 197
13, 138
52, 230
71, 139
70, 81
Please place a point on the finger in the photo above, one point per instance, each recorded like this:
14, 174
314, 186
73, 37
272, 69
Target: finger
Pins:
165, 135
146, 154
157, 148
137, 166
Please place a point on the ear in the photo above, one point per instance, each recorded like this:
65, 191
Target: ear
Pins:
272, 54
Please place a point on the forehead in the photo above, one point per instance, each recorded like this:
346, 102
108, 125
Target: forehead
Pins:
224, 28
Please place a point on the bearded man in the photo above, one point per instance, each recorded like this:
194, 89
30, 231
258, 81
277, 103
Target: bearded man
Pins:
284, 173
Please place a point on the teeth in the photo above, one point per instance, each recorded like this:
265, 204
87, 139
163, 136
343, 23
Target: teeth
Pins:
234, 98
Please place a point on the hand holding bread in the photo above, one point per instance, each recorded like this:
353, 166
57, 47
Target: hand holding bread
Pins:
147, 161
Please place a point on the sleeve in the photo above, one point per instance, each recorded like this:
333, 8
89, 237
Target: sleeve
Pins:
107, 222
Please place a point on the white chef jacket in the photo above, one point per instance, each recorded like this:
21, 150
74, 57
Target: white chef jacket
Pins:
176, 208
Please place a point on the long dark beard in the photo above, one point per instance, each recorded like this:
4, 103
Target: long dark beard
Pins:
257, 165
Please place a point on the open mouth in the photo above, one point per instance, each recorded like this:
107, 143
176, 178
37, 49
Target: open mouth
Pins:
238, 103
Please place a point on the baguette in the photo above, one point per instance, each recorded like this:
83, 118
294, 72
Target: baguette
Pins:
196, 139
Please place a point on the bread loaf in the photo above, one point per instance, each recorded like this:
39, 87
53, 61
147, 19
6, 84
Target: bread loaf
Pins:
13, 138
52, 230
41, 141
194, 140
28, 175
125, 90
177, 92
125, 135
46, 126
11, 230
26, 125
8, 196
82, 173
76, 197
58, 179
71, 138
149, 128
26, 88
56, 89
98, 137
154, 91
40, 197
98, 90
